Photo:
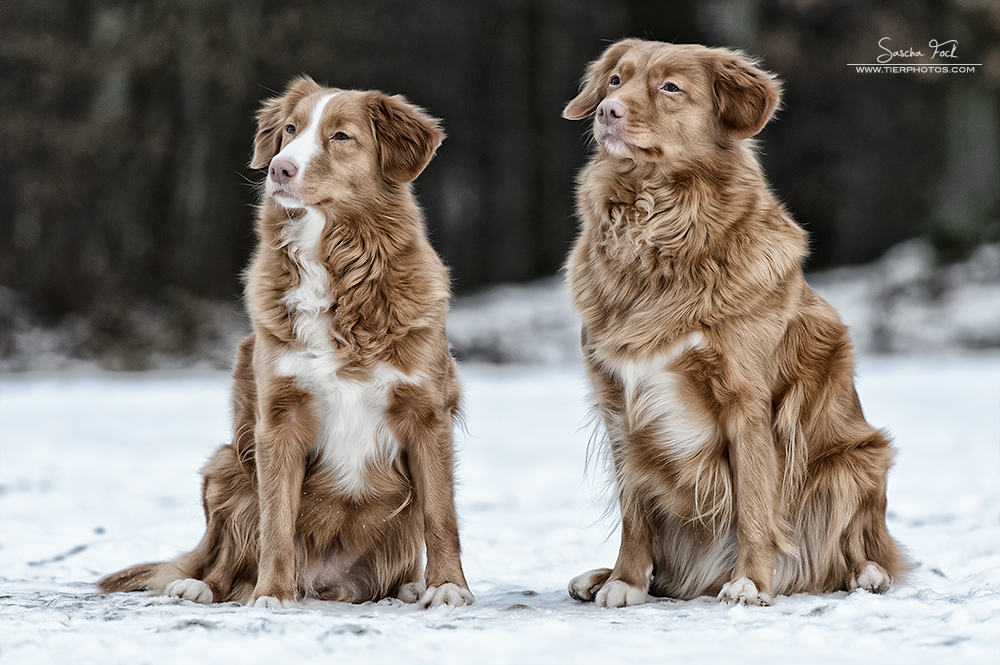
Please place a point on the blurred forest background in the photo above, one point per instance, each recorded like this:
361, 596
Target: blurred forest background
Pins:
126, 204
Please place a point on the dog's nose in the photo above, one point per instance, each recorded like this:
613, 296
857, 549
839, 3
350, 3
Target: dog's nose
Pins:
609, 112
282, 171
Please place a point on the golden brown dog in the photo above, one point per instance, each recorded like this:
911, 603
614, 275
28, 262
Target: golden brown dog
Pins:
744, 466
341, 466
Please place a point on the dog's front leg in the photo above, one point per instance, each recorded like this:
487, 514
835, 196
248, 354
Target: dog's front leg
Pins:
756, 479
425, 432
285, 432
629, 581
434, 482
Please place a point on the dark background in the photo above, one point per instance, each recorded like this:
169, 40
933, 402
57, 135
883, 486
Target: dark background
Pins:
126, 128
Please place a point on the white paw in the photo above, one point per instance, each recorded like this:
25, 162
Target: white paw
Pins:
743, 591
411, 592
272, 603
872, 578
585, 587
446, 594
189, 589
619, 594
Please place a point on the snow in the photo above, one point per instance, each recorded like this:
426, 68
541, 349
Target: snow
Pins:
906, 302
903, 303
100, 470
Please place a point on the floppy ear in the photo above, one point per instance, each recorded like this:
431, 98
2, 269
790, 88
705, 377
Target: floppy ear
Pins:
271, 116
594, 81
407, 137
746, 97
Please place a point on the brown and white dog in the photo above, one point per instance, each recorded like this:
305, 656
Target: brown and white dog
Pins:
341, 466
744, 466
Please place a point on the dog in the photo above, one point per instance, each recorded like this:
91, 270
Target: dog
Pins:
743, 464
340, 469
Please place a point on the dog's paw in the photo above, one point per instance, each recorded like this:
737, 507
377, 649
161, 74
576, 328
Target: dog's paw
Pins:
446, 594
743, 591
585, 587
189, 589
272, 603
617, 593
869, 576
411, 592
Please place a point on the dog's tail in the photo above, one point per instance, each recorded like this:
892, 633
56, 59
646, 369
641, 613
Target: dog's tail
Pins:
142, 577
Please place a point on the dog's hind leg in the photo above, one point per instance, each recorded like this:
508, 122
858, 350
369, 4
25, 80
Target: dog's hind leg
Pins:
145, 577
227, 551
842, 527
227, 554
874, 558
135, 578
412, 587
585, 587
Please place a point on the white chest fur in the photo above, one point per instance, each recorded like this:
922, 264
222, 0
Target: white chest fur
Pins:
654, 398
311, 300
354, 432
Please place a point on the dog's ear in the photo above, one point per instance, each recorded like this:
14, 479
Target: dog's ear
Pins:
746, 97
407, 137
271, 117
595, 80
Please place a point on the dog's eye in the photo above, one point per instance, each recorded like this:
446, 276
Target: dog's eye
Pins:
615, 80
670, 86
339, 136
290, 129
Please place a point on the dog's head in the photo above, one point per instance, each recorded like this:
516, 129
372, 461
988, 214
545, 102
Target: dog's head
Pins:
672, 102
324, 145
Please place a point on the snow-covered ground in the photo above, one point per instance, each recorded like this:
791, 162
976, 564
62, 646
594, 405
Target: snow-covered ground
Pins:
100, 470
